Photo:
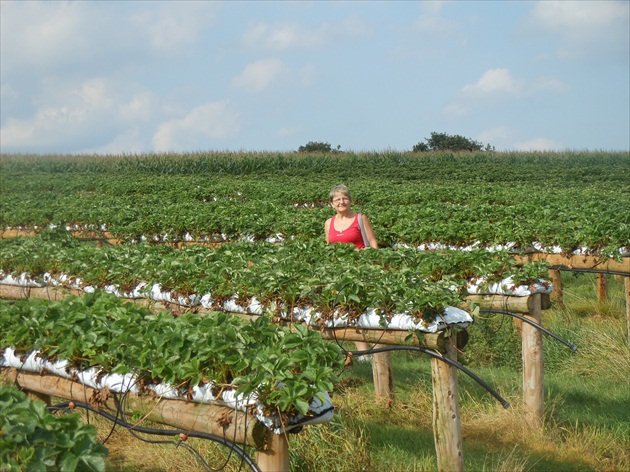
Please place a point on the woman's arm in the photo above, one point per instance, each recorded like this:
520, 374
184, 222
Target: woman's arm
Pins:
369, 232
327, 230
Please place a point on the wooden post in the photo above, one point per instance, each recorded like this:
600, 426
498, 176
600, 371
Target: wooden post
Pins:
383, 375
381, 371
533, 364
627, 287
274, 458
447, 430
602, 287
556, 295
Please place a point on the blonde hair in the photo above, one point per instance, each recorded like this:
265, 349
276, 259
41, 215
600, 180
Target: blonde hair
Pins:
342, 189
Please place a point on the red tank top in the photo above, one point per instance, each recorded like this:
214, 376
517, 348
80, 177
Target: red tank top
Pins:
352, 234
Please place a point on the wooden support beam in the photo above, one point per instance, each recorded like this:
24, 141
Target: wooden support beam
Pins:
602, 288
389, 337
383, 375
14, 233
188, 416
575, 261
102, 236
447, 431
533, 364
274, 458
15, 292
508, 303
556, 280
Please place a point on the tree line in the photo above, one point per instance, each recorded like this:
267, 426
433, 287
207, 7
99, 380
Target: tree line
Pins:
437, 142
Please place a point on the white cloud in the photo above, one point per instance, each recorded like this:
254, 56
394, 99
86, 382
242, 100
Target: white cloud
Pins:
94, 95
198, 129
290, 35
571, 16
259, 75
550, 84
62, 115
42, 33
70, 113
585, 28
432, 7
139, 107
493, 81
128, 142
500, 82
172, 26
539, 144
431, 23
281, 37
72, 37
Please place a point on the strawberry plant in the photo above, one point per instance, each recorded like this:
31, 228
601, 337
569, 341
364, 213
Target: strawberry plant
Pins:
331, 279
33, 439
285, 369
566, 200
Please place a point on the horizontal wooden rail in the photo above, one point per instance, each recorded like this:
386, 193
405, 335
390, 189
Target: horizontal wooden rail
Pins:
578, 262
217, 420
522, 305
389, 337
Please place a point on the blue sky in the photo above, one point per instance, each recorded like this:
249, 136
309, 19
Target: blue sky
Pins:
113, 77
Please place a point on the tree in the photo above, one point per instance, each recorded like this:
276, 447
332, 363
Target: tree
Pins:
446, 142
313, 146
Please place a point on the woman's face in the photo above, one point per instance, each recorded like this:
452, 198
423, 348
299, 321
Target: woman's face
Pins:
340, 202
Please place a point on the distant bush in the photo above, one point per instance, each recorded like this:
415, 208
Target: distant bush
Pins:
446, 142
313, 146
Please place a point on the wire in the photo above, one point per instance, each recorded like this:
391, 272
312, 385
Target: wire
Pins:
164, 432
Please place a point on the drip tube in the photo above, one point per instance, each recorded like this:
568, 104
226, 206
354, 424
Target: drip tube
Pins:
164, 432
504, 403
573, 347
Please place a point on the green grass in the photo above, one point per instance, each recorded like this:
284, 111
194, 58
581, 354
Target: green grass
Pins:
587, 399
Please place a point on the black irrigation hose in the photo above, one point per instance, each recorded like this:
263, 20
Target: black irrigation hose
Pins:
504, 403
165, 432
573, 347
121, 411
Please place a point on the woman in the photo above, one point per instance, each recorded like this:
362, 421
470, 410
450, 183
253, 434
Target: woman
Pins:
344, 226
